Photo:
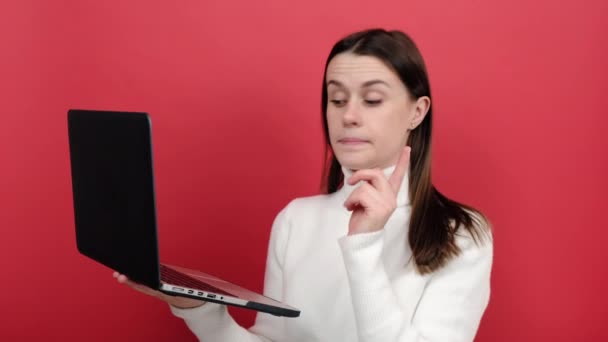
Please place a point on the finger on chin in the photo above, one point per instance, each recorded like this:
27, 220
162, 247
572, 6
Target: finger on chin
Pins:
396, 178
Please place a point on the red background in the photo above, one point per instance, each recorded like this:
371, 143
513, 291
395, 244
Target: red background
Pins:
233, 87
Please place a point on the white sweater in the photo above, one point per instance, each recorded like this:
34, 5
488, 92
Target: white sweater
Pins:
355, 288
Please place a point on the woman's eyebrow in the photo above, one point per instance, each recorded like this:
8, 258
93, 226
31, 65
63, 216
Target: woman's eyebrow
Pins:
336, 83
365, 84
373, 82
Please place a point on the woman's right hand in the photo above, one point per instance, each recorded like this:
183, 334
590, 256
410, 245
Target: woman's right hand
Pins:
177, 301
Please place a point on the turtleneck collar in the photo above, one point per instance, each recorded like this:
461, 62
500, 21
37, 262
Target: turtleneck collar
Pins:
402, 195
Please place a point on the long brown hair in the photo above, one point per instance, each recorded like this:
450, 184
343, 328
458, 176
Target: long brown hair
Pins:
435, 219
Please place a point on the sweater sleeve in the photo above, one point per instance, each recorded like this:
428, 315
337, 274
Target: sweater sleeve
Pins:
451, 305
212, 322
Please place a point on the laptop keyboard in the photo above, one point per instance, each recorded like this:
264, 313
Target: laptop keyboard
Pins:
173, 277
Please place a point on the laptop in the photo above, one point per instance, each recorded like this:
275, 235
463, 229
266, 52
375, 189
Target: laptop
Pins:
115, 210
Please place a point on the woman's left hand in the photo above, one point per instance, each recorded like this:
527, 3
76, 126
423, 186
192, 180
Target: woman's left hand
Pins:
374, 201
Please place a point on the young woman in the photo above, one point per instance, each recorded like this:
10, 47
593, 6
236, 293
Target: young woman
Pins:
383, 255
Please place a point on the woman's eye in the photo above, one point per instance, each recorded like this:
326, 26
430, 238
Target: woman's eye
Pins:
338, 103
373, 102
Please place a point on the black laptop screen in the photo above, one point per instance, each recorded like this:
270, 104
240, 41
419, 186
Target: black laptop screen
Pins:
113, 189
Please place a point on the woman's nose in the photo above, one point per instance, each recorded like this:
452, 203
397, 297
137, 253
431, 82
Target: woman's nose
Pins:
351, 115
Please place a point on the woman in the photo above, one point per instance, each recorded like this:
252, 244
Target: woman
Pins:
383, 256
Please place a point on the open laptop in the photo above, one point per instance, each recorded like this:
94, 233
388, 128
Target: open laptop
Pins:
115, 210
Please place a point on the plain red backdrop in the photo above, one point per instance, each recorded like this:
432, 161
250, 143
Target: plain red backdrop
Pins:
233, 87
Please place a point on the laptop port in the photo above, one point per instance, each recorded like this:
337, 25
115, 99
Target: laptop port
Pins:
190, 291
200, 294
210, 295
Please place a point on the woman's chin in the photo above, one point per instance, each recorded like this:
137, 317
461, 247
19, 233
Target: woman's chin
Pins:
354, 163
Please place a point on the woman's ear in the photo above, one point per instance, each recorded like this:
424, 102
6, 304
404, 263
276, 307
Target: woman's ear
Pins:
421, 108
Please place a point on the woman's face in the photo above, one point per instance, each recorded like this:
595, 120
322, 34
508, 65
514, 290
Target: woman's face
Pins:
369, 112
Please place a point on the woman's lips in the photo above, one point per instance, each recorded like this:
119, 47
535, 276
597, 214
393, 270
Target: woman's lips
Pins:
352, 141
